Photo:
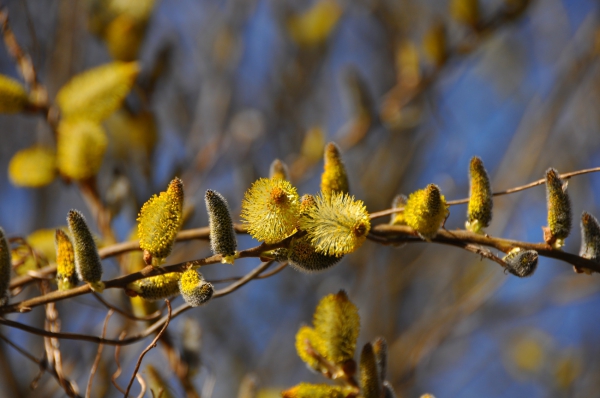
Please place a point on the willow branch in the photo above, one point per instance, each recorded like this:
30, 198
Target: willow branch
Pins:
88, 390
155, 315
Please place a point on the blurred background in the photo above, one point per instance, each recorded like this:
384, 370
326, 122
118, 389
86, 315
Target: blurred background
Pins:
410, 90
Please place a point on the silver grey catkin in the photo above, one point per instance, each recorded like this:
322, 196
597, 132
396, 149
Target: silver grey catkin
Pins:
87, 259
222, 235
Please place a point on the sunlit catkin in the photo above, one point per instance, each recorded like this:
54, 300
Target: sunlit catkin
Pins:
336, 226
520, 262
302, 256
590, 237
270, 210
479, 212
222, 235
559, 210
87, 260
32, 167
13, 97
309, 346
279, 169
370, 381
425, 211
305, 390
398, 218
158, 287
80, 148
98, 92
194, 289
160, 219
5, 267
337, 323
66, 273
334, 178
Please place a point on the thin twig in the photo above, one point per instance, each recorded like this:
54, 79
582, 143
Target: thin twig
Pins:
151, 346
117, 373
88, 390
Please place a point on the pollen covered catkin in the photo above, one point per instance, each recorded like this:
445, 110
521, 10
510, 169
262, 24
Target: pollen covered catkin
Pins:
194, 289
425, 211
308, 342
5, 267
66, 274
222, 236
559, 210
479, 212
157, 287
87, 259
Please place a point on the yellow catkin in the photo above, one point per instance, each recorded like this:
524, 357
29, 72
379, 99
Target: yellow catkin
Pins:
308, 345
80, 148
13, 97
160, 219
5, 267
337, 323
520, 262
123, 36
270, 210
279, 169
425, 211
435, 44
370, 381
97, 92
559, 210
590, 237
398, 218
305, 390
313, 27
334, 178
336, 226
465, 12
157, 287
66, 274
33, 167
87, 259
222, 236
479, 212
43, 241
194, 289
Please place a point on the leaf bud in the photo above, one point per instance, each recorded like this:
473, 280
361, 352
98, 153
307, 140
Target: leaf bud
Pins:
194, 289
521, 263
479, 213
222, 236
87, 259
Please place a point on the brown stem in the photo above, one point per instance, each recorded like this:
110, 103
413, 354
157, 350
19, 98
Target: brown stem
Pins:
88, 390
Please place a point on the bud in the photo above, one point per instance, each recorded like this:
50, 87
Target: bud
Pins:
337, 323
194, 289
280, 170
521, 263
160, 219
425, 211
157, 287
98, 92
5, 266
559, 210
87, 260
380, 350
307, 339
303, 256
336, 225
222, 235
305, 390
334, 178
479, 213
270, 210
80, 148
435, 44
369, 377
465, 12
398, 218
66, 274
13, 97
32, 167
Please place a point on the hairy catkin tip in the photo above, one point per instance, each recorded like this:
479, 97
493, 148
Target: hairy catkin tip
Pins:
370, 380
13, 97
223, 240
337, 322
157, 287
521, 263
398, 218
279, 170
426, 210
5, 267
334, 178
479, 211
559, 210
305, 390
87, 259
160, 219
337, 225
270, 210
194, 289
32, 167
302, 256
66, 273
590, 237
80, 148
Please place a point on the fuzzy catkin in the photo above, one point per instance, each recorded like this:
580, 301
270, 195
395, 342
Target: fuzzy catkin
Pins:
370, 381
157, 287
590, 237
479, 211
87, 260
194, 289
521, 263
334, 178
302, 256
66, 273
559, 210
426, 210
222, 236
